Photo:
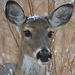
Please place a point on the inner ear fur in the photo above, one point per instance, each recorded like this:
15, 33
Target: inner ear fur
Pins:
14, 13
60, 16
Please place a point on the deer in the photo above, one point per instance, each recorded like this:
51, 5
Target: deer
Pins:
35, 36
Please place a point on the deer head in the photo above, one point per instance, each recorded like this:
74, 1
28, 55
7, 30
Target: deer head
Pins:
36, 31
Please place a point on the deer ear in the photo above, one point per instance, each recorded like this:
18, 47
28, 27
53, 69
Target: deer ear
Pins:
14, 13
60, 16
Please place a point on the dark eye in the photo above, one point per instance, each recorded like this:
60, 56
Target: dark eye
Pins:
50, 34
27, 33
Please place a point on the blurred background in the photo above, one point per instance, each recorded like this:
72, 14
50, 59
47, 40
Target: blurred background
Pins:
63, 43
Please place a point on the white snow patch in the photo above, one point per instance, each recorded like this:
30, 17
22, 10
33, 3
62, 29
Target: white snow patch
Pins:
11, 71
8, 56
47, 73
3, 54
70, 45
50, 67
69, 73
8, 74
67, 50
45, 14
71, 1
55, 52
33, 17
53, 40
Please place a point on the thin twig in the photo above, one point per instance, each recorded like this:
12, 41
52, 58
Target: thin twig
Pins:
33, 1
13, 35
10, 29
39, 6
4, 28
30, 7
71, 25
13, 53
48, 6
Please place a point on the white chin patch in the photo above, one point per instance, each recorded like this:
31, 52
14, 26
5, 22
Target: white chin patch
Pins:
39, 62
42, 63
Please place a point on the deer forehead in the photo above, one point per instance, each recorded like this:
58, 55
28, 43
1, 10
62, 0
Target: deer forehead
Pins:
37, 23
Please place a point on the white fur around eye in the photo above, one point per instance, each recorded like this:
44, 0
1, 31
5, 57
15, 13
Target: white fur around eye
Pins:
28, 28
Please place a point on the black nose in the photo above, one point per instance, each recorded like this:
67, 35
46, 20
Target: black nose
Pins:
43, 55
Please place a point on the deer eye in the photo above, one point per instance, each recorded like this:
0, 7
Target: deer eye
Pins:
27, 33
50, 34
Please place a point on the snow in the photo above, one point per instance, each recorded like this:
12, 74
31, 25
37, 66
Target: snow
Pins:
33, 17
11, 71
45, 14
53, 40
71, 1
67, 50
8, 74
55, 52
69, 73
47, 73
8, 57
3, 54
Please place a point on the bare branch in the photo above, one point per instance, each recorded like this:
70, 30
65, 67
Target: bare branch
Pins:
39, 6
30, 7
13, 35
9, 27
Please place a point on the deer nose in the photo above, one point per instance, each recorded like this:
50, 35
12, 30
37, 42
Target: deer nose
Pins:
44, 55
